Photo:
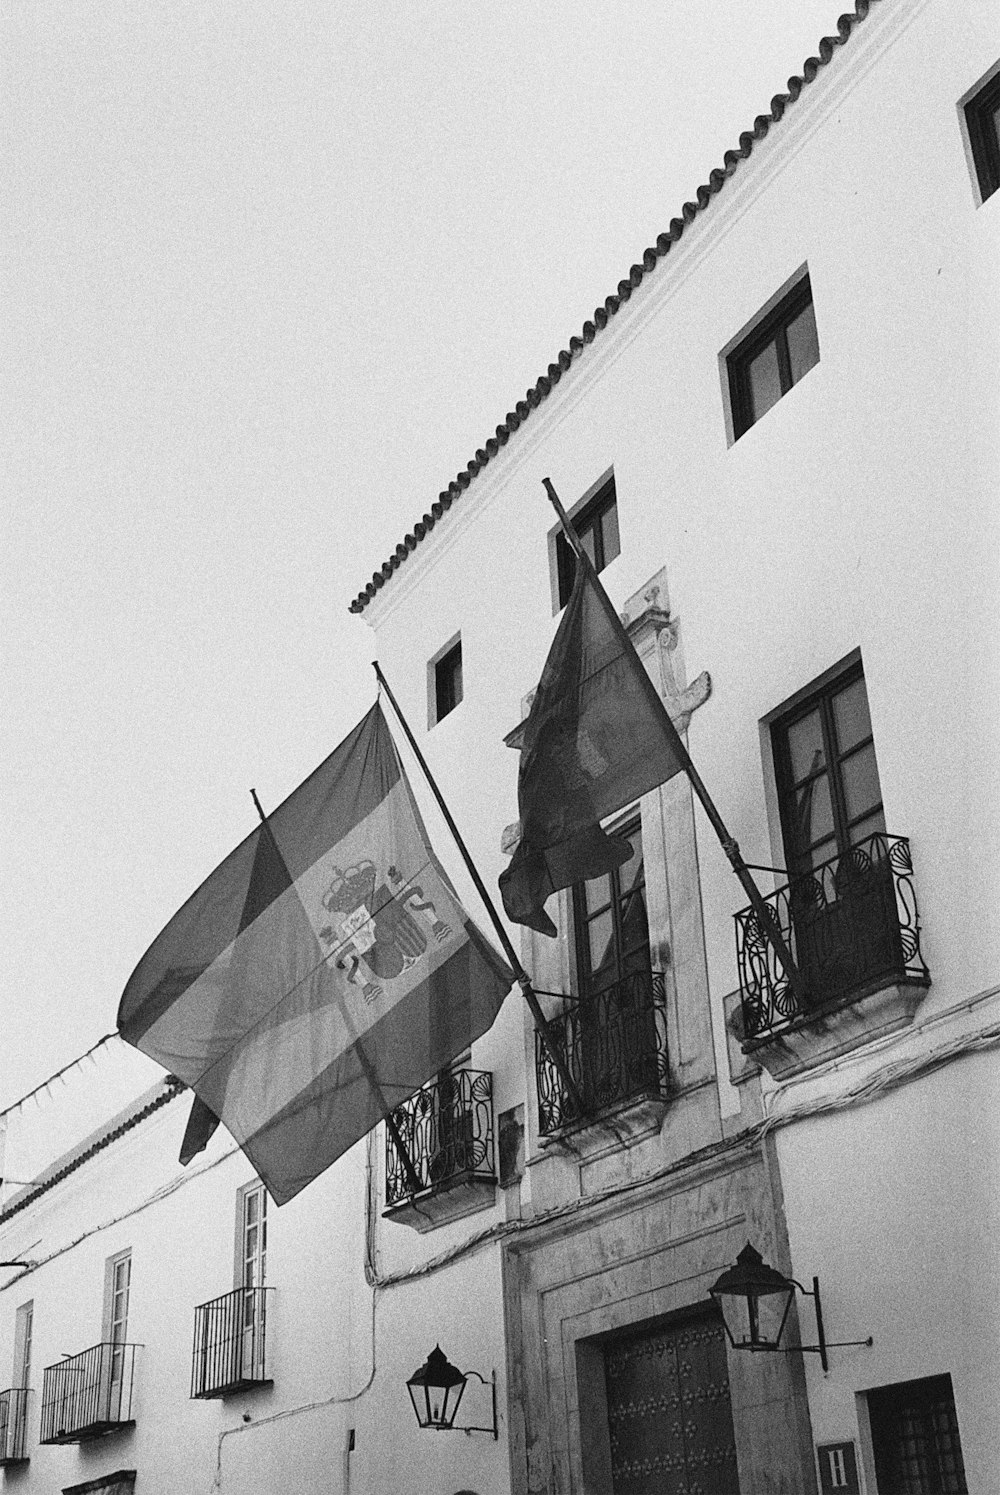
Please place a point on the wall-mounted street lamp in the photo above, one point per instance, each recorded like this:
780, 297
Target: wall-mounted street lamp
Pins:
754, 1300
436, 1390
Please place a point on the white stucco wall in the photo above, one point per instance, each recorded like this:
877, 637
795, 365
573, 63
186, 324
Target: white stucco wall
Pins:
339, 1351
860, 513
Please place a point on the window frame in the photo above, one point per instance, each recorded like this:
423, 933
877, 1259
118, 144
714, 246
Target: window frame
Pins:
434, 665
920, 1397
981, 130
769, 325
820, 695
243, 1194
24, 1333
588, 982
586, 516
109, 1319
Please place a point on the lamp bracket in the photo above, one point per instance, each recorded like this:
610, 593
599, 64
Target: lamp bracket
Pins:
492, 1384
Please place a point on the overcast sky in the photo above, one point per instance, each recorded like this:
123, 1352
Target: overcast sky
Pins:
271, 273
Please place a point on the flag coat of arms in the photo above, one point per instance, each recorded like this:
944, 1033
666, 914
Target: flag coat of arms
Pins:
322, 974
597, 737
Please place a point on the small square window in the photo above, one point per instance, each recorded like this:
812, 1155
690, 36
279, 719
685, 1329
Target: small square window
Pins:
596, 523
915, 1438
445, 682
982, 120
775, 354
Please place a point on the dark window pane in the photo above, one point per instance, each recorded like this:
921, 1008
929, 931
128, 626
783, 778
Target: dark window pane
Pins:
983, 119
915, 1438
600, 941
612, 542
764, 379
814, 813
597, 893
803, 343
448, 682
850, 713
635, 926
805, 746
565, 568
859, 776
872, 825
631, 872
597, 526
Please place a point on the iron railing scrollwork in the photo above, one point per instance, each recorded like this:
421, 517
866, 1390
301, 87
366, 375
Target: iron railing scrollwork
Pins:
849, 924
230, 1343
447, 1130
614, 1044
88, 1394
13, 1425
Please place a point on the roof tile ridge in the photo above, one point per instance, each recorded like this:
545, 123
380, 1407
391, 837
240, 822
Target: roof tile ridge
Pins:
540, 390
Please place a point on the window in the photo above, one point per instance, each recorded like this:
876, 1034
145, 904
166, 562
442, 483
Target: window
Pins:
117, 1281
915, 1439
596, 523
23, 1334
982, 123
251, 1272
827, 777
780, 348
614, 1042
252, 1245
445, 681
842, 897
612, 932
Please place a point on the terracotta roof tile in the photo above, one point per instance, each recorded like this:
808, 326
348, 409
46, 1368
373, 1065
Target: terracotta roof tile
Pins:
603, 314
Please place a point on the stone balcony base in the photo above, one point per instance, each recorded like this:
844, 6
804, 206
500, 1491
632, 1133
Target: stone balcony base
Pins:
613, 1127
826, 1032
464, 1195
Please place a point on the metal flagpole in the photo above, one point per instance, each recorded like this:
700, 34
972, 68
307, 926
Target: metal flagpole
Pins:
768, 923
520, 974
391, 1126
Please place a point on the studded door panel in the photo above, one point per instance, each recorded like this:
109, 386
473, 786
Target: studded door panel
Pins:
669, 1413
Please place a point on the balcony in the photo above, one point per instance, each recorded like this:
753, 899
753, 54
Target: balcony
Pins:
230, 1344
853, 932
614, 1045
88, 1395
13, 1426
447, 1130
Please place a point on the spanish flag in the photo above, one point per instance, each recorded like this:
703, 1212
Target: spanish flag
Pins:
320, 975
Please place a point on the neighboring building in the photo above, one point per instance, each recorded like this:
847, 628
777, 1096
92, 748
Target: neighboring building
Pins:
779, 440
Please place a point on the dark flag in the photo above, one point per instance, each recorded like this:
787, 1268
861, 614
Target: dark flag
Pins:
597, 737
321, 975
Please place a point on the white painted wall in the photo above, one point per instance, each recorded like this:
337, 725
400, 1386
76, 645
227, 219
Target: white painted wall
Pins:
860, 513
330, 1371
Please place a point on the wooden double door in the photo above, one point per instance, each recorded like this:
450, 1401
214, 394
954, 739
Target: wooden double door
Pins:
669, 1414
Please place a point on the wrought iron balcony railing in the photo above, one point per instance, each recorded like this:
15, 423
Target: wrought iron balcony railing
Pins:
13, 1425
447, 1130
89, 1394
230, 1343
851, 927
614, 1045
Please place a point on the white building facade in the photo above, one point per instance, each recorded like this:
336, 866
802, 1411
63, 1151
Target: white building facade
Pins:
779, 440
